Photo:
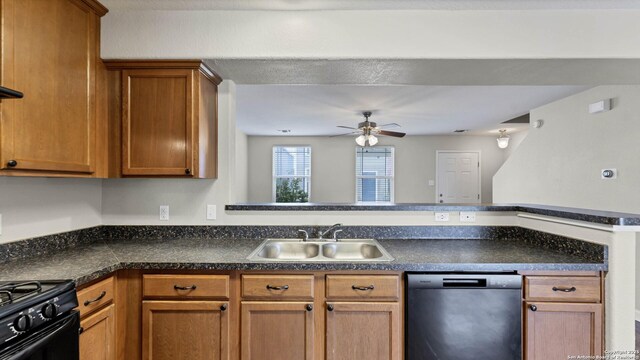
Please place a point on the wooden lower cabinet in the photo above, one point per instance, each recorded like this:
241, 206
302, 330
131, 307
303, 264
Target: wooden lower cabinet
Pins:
277, 330
363, 330
97, 341
185, 330
559, 330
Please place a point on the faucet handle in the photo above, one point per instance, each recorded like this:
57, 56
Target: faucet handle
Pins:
305, 234
335, 234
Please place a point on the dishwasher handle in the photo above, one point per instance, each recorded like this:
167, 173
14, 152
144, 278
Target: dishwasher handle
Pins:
468, 281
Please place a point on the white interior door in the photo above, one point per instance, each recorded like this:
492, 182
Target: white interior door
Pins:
458, 177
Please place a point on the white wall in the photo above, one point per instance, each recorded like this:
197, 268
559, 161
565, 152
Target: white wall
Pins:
333, 165
560, 163
33, 207
395, 34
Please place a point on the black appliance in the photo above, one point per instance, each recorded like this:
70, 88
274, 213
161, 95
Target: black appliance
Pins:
463, 316
38, 320
6, 93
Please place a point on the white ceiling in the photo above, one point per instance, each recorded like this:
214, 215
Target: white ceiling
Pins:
368, 4
316, 110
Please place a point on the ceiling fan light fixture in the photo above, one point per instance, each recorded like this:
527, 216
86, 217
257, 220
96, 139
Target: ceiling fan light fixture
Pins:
503, 139
372, 140
361, 140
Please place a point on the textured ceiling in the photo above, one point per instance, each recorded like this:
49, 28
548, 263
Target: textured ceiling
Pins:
420, 110
369, 4
590, 72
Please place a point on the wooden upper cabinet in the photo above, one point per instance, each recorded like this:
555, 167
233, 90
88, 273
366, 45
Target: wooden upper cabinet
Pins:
167, 119
50, 52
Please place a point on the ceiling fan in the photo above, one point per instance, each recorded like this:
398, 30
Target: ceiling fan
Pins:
368, 131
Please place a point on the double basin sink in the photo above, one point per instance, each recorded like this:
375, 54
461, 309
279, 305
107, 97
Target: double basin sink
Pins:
318, 250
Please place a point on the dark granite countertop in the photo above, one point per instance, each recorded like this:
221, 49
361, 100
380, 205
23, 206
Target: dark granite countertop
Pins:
87, 262
588, 215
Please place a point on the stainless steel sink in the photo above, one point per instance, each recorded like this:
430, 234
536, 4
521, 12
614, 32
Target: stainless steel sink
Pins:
285, 250
317, 250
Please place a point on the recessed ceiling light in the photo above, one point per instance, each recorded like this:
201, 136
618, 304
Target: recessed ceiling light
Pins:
460, 131
285, 131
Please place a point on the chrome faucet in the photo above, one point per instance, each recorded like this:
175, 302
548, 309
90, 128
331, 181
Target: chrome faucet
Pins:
322, 234
305, 234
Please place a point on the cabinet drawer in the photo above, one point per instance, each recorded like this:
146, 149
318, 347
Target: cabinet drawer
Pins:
277, 287
95, 296
551, 288
185, 286
362, 287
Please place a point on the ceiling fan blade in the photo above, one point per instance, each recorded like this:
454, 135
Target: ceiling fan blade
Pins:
351, 133
389, 125
391, 133
347, 127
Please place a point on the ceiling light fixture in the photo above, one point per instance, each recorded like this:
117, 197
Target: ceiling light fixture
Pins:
503, 139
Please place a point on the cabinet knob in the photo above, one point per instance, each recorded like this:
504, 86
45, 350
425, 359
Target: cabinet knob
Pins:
12, 163
309, 307
187, 171
330, 307
223, 307
533, 307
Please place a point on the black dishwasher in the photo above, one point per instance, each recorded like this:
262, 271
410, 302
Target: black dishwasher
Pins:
464, 316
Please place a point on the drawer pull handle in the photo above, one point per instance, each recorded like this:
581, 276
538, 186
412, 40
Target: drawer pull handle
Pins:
192, 287
363, 288
283, 287
571, 289
533, 307
89, 302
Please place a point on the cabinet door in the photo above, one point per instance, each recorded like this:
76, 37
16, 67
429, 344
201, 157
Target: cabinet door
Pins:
559, 330
157, 122
363, 331
185, 330
276, 330
97, 341
49, 52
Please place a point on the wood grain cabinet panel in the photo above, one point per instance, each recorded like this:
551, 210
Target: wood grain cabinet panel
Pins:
50, 52
555, 331
97, 341
557, 288
363, 287
185, 286
167, 119
96, 296
278, 287
277, 330
363, 331
185, 330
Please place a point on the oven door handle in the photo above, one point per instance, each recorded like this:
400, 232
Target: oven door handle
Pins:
30, 348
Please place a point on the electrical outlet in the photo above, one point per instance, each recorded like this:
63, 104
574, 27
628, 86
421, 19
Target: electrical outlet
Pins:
467, 216
211, 212
432, 183
442, 216
164, 212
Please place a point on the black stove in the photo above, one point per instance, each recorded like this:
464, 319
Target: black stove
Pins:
34, 311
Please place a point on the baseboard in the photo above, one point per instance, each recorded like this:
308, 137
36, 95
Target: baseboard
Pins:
637, 315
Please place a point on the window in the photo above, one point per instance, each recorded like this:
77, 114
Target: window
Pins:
374, 174
291, 173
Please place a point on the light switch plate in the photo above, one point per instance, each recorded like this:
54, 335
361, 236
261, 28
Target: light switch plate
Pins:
467, 216
211, 212
164, 212
432, 183
442, 216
